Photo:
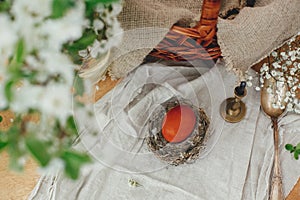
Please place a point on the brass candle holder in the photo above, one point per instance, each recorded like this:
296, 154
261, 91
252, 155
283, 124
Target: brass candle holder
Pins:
233, 109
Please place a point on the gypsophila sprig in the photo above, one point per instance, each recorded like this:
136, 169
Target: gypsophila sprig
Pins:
41, 44
284, 66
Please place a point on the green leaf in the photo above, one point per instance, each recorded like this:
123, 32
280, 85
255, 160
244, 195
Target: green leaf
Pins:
73, 162
292, 151
71, 126
39, 150
297, 151
8, 90
20, 51
296, 155
13, 147
1, 118
3, 145
16, 63
78, 85
60, 7
87, 38
298, 146
101, 1
5, 5
91, 4
289, 147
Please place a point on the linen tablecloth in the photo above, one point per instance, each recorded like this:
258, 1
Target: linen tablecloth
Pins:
235, 165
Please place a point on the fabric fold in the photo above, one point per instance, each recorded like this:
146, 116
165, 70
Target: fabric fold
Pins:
121, 154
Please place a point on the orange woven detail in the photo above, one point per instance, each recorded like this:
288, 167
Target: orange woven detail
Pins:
199, 42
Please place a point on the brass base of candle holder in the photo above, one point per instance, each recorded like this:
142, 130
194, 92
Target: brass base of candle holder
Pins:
233, 109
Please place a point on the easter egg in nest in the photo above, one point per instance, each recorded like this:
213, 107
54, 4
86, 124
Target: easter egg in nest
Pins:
178, 123
177, 131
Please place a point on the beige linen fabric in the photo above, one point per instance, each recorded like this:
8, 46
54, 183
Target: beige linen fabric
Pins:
235, 166
244, 40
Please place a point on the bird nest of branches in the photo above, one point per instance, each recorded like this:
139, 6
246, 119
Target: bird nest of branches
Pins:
186, 151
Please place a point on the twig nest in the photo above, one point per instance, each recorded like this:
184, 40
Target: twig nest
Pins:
177, 132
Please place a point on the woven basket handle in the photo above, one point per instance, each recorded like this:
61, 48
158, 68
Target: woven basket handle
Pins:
208, 20
179, 43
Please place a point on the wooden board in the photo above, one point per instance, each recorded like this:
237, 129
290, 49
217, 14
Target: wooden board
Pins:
13, 185
295, 193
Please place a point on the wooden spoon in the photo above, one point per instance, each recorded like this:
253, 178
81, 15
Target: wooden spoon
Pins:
267, 99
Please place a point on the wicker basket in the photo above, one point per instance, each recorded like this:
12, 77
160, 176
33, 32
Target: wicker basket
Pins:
187, 44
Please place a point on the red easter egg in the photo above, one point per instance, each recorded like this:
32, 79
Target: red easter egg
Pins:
178, 123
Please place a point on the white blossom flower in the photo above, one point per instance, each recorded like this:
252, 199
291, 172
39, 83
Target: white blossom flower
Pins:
35, 9
58, 64
269, 90
83, 53
56, 100
8, 38
69, 27
116, 9
98, 25
26, 97
43, 73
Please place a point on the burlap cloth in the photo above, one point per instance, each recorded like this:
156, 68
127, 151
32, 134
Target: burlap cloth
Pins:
246, 39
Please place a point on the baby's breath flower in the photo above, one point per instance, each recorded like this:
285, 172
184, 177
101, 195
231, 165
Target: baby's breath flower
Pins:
289, 62
269, 90
249, 84
289, 107
286, 70
274, 54
273, 73
276, 65
275, 105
